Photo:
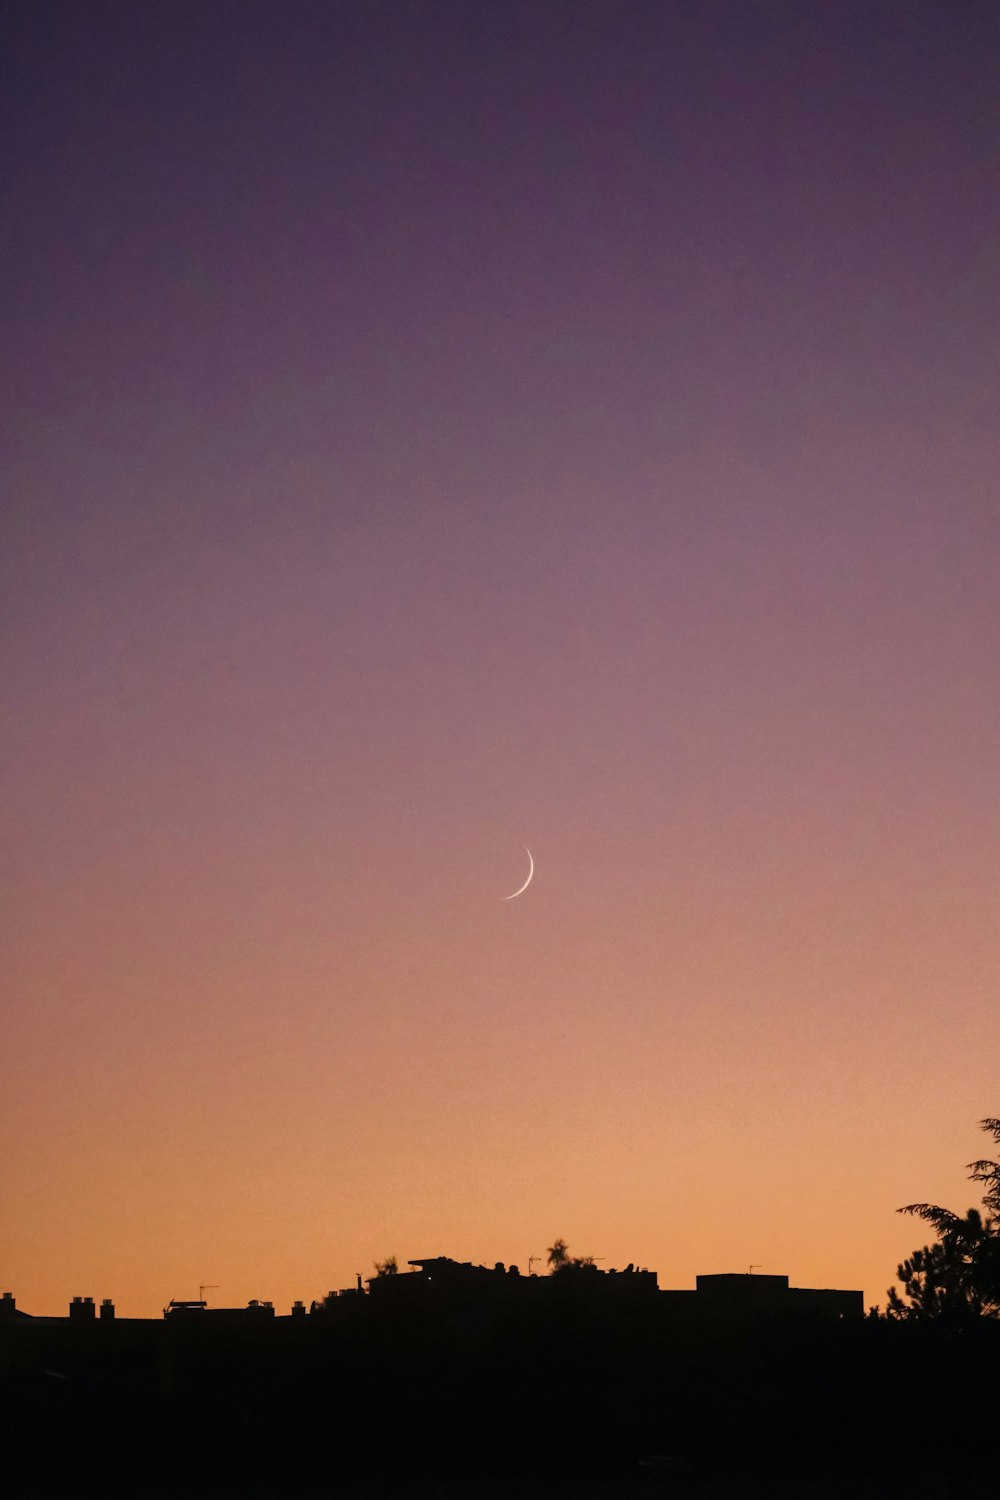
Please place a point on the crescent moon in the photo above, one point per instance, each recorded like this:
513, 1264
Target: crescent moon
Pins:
531, 871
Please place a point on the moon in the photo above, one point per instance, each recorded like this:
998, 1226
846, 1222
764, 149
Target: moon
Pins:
531, 871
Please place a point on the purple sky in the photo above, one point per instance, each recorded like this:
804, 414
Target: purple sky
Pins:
433, 429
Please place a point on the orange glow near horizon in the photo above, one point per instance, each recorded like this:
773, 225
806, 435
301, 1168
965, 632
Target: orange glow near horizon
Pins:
461, 1077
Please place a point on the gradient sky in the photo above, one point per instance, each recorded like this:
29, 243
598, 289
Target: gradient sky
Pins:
439, 428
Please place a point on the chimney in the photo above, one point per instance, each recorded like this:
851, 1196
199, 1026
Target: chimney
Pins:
7, 1305
81, 1310
107, 1311
298, 1309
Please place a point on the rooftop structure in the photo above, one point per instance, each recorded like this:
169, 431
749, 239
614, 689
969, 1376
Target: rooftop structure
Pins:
437, 1280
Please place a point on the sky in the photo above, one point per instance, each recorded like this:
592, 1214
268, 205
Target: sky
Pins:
435, 430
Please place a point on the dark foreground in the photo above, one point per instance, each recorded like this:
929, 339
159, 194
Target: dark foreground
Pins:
440, 1404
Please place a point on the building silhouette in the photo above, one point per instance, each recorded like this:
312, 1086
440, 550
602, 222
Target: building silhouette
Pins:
447, 1366
439, 1280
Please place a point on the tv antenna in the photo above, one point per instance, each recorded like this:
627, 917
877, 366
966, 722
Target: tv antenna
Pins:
531, 1261
207, 1286
752, 1269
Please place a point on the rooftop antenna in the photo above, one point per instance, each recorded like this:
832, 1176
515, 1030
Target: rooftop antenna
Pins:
531, 1261
752, 1269
207, 1286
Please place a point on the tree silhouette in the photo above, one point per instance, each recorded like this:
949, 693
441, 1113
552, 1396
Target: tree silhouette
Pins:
959, 1275
558, 1255
388, 1267
561, 1260
948, 1279
988, 1171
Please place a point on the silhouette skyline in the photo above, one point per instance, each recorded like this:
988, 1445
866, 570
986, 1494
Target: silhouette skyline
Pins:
436, 1374
642, 1383
444, 1278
